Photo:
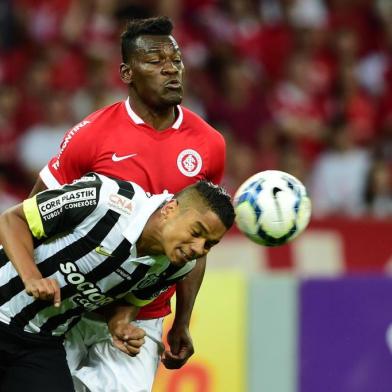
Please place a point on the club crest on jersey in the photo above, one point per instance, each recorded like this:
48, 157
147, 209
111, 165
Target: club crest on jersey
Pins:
149, 280
189, 162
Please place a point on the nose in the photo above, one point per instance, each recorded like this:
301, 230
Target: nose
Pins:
169, 68
198, 248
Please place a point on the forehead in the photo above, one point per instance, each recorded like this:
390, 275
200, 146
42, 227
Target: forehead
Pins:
155, 43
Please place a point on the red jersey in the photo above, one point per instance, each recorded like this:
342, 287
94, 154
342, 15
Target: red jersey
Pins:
116, 142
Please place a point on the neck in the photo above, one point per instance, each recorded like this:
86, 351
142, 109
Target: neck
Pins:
149, 241
158, 118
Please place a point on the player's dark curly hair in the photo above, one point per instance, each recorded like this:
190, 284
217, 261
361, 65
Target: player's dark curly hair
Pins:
160, 25
214, 197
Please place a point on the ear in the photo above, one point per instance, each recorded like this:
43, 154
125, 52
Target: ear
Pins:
126, 73
169, 208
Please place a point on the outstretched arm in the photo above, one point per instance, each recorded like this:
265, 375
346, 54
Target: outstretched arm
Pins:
16, 238
179, 338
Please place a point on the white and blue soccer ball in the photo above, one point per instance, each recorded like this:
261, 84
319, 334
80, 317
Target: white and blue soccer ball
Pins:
272, 208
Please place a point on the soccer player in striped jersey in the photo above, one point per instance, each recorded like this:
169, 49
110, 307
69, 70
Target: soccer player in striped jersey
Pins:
83, 246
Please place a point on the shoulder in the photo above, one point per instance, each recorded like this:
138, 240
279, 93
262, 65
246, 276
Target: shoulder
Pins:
125, 189
109, 110
195, 122
95, 123
101, 116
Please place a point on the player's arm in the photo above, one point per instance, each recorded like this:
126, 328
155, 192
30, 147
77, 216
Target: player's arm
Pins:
39, 186
55, 211
126, 336
179, 339
17, 240
42, 216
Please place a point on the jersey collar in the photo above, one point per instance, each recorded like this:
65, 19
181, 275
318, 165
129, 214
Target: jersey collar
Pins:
137, 120
143, 210
161, 260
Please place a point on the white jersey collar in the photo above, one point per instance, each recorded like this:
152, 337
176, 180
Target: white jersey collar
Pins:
138, 120
143, 210
161, 260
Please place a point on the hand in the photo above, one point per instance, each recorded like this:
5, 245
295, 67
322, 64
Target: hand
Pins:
181, 347
127, 337
45, 289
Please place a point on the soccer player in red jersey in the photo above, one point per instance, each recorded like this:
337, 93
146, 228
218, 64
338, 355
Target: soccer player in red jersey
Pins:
153, 141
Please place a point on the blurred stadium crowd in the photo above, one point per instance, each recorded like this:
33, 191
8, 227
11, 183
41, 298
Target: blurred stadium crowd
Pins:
303, 86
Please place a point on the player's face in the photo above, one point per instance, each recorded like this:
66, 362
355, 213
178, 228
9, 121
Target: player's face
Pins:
190, 234
157, 70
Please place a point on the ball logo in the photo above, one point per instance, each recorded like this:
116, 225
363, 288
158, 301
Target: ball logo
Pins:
189, 162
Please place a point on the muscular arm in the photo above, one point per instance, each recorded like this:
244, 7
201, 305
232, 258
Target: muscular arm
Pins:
126, 337
16, 238
186, 292
179, 339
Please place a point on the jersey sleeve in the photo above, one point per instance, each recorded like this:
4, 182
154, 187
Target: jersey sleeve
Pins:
134, 300
55, 211
218, 158
75, 157
142, 297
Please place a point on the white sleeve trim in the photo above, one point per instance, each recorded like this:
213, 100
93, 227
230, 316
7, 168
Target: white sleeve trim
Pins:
49, 179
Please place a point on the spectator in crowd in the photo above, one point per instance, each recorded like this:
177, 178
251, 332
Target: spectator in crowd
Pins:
378, 192
337, 183
300, 113
9, 131
8, 198
239, 102
98, 91
41, 142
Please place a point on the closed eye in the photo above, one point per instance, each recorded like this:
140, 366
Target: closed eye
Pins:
209, 244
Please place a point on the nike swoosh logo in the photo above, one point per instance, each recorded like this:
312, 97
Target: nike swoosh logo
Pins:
116, 158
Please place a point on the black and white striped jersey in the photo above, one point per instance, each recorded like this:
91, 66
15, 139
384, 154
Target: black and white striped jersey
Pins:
84, 236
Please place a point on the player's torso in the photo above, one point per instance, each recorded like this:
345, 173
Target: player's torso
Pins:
156, 160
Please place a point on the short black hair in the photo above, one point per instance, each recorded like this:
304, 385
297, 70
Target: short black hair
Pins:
160, 25
214, 197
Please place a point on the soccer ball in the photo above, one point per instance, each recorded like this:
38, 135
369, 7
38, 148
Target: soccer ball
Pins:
272, 208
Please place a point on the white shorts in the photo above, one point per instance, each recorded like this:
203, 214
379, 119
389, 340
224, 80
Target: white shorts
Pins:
97, 366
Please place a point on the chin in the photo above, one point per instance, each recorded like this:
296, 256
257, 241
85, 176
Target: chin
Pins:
173, 99
175, 258
179, 263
